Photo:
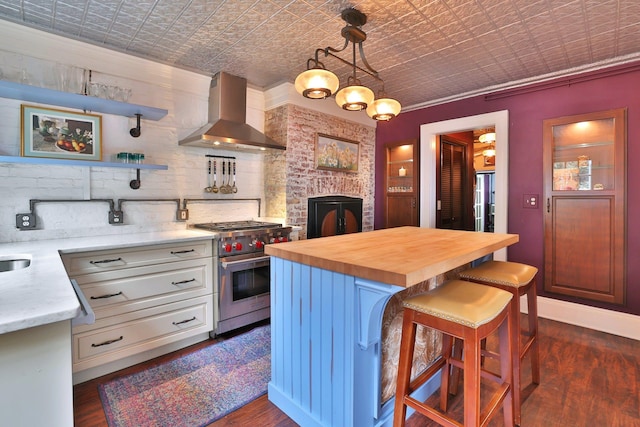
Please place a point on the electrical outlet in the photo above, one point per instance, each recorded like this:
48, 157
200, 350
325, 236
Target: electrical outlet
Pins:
116, 217
26, 221
182, 215
530, 201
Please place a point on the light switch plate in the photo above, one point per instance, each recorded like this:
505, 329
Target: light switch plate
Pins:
530, 201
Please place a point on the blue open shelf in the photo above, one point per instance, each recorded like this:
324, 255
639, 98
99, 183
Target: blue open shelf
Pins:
72, 100
64, 162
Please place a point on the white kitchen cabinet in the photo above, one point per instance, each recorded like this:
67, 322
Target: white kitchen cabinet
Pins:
119, 259
144, 298
117, 337
36, 387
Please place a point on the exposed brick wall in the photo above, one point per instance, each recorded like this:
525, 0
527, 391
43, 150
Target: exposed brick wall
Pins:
291, 178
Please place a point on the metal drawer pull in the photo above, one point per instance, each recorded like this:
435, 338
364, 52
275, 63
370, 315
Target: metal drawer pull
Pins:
108, 342
184, 321
183, 282
107, 296
182, 252
105, 261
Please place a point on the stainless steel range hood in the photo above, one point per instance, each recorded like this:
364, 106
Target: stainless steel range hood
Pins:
227, 127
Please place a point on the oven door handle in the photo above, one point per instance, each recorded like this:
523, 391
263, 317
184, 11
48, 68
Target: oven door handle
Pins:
226, 264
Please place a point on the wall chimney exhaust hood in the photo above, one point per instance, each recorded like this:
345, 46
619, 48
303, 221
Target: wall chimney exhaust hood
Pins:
227, 127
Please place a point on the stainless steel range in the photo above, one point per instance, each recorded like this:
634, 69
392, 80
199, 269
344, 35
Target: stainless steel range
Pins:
242, 270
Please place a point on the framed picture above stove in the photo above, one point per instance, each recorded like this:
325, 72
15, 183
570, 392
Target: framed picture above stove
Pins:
60, 134
337, 154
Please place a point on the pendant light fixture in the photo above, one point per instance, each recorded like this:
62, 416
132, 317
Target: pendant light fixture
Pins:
488, 138
318, 82
383, 109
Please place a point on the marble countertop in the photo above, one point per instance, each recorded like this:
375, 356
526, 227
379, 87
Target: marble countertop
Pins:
42, 293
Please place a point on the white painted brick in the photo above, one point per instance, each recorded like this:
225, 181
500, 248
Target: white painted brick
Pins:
293, 176
186, 176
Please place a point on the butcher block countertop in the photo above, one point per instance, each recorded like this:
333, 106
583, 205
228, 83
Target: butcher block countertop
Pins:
402, 256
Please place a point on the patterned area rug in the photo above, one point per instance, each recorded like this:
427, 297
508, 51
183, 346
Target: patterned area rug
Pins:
194, 390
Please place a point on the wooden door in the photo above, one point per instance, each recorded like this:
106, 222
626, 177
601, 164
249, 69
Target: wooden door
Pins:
350, 214
401, 210
454, 185
584, 179
328, 213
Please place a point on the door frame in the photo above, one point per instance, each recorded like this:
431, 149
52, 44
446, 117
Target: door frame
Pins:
428, 140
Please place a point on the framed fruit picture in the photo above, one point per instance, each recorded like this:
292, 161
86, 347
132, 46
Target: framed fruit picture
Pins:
60, 134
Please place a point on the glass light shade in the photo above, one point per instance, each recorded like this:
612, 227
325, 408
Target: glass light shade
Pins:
487, 137
316, 83
384, 109
354, 98
491, 152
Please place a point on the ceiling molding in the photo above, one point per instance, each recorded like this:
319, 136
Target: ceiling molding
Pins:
627, 63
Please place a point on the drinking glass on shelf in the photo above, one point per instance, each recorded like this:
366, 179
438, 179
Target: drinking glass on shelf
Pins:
123, 94
62, 75
94, 89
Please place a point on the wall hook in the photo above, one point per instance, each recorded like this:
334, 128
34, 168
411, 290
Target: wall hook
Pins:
135, 132
135, 183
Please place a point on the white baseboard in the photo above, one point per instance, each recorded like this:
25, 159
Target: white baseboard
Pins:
611, 322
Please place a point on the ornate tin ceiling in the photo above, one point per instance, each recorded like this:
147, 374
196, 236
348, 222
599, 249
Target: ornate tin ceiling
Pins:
425, 50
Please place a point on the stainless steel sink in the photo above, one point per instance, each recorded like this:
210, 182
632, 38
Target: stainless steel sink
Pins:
14, 263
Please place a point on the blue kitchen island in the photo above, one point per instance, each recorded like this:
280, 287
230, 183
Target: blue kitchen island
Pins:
328, 297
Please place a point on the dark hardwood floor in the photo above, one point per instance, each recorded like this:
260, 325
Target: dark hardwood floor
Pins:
589, 378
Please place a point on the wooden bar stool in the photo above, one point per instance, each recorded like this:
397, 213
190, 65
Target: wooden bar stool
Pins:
469, 312
519, 279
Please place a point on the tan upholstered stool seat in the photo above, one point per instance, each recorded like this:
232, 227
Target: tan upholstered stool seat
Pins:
519, 279
461, 302
501, 273
470, 312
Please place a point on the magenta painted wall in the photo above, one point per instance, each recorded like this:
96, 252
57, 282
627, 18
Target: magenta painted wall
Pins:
603, 90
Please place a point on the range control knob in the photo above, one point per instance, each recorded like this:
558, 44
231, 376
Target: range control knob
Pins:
237, 246
284, 239
258, 244
226, 247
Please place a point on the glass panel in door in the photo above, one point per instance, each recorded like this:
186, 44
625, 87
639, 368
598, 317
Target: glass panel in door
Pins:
583, 155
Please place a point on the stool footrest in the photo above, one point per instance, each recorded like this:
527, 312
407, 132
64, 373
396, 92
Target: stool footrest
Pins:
428, 373
490, 354
486, 414
494, 404
483, 372
432, 413
526, 347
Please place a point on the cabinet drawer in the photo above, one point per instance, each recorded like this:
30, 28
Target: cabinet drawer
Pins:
113, 292
143, 330
117, 259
